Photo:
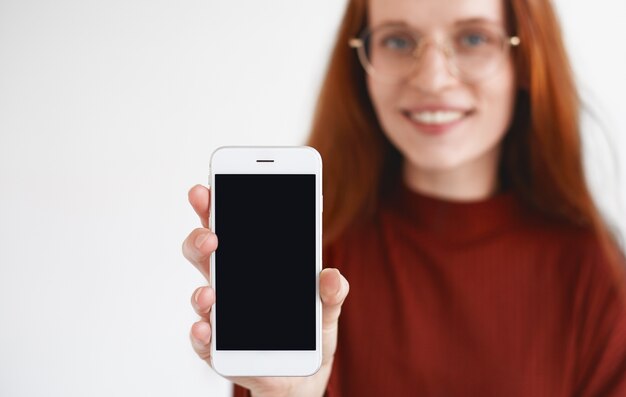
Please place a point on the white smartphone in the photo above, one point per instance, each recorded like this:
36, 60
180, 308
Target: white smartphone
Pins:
266, 210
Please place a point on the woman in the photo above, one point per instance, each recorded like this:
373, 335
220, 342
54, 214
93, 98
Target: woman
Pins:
457, 207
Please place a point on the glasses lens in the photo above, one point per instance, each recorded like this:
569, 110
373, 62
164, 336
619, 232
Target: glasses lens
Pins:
389, 52
477, 52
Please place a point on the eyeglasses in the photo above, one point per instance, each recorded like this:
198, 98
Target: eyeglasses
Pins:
391, 53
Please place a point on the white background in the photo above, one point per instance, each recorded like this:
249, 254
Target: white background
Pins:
109, 111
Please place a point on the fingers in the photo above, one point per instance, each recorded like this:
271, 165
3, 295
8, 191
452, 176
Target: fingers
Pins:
202, 300
200, 336
199, 198
334, 289
198, 247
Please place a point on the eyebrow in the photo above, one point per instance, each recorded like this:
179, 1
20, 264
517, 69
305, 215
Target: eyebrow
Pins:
465, 21
477, 20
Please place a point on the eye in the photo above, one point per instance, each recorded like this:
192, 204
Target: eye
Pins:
473, 39
396, 43
399, 42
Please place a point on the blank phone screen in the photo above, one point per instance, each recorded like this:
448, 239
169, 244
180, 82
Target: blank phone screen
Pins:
265, 269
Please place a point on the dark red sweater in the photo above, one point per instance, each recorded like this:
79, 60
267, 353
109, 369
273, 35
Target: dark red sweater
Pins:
475, 299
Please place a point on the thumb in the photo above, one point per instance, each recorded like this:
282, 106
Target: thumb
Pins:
333, 291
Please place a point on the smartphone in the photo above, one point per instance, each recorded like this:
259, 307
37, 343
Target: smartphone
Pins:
266, 210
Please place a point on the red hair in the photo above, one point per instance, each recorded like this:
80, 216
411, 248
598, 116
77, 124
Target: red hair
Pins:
541, 153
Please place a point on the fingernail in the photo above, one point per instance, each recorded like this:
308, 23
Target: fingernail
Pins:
201, 239
197, 296
202, 329
333, 290
339, 284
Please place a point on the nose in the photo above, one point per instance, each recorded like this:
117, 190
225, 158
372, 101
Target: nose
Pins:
431, 73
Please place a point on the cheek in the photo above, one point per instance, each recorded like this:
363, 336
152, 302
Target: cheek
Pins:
499, 101
503, 96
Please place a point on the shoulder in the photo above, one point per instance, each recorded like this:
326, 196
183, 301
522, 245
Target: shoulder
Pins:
597, 264
579, 240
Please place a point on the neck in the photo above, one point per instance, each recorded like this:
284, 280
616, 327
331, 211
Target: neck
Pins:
472, 181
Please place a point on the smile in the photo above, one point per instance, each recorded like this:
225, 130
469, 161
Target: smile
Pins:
436, 117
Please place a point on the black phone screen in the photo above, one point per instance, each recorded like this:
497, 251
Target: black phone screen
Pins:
265, 273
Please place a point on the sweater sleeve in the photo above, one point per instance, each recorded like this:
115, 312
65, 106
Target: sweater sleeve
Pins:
239, 391
602, 330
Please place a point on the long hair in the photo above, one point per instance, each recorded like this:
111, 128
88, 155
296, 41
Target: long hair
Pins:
541, 152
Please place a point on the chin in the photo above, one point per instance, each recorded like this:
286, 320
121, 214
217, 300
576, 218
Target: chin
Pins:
438, 164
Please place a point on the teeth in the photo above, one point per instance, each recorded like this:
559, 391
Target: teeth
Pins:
438, 117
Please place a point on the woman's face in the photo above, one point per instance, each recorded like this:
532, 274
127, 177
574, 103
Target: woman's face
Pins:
438, 121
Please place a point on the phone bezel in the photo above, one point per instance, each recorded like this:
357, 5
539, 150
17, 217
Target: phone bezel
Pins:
284, 160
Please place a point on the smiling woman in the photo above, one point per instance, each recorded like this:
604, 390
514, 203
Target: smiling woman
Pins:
456, 206
451, 108
539, 154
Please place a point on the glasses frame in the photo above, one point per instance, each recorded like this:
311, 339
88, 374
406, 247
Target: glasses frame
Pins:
358, 43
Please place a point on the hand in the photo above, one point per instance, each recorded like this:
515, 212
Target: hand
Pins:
197, 248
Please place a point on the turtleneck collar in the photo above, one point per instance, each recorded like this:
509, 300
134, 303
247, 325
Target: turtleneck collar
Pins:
458, 221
